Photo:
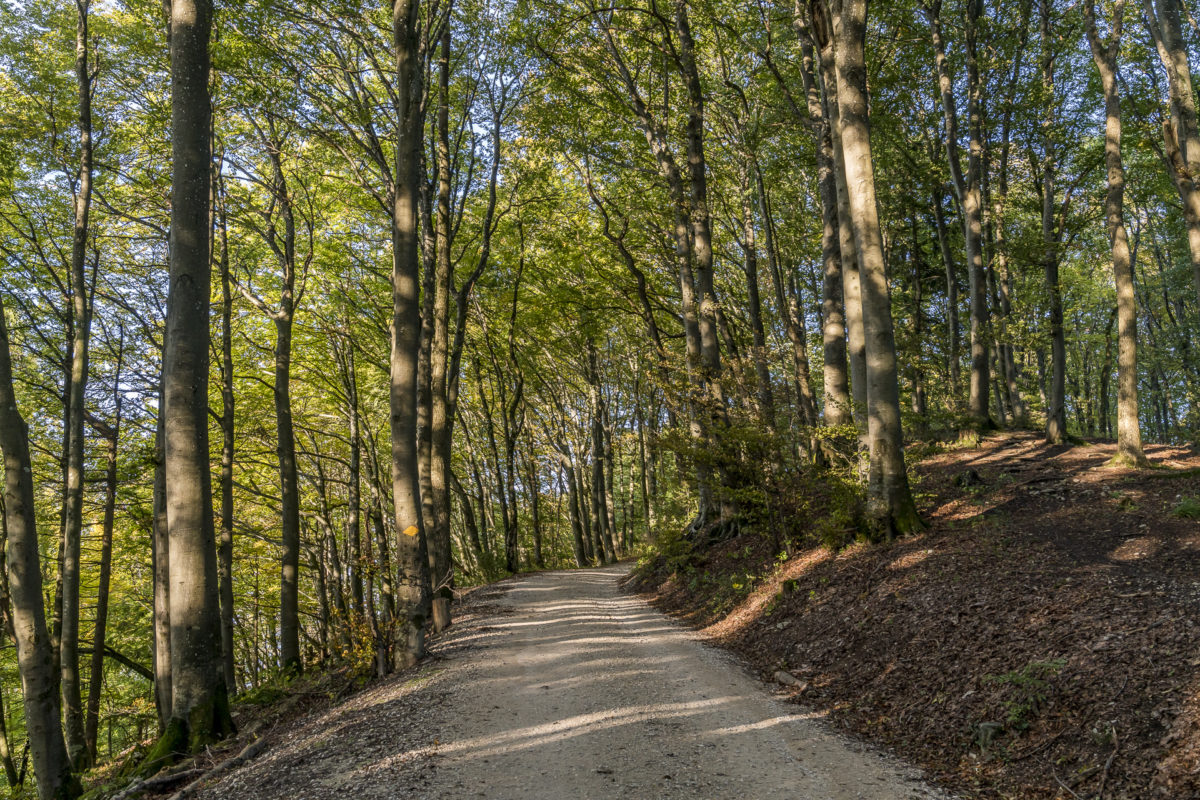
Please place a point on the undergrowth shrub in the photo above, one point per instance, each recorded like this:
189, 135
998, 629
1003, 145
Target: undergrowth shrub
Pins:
791, 490
1187, 508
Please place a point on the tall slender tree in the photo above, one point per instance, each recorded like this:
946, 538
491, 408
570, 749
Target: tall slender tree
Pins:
412, 562
34, 655
199, 696
81, 315
1104, 53
890, 501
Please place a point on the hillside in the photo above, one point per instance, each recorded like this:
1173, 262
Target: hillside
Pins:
1038, 641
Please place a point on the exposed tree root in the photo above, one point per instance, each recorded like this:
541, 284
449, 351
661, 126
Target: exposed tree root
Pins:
248, 753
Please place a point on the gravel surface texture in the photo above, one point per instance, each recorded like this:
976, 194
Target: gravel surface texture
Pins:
558, 686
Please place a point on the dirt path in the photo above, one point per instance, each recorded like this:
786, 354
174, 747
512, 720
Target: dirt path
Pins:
564, 688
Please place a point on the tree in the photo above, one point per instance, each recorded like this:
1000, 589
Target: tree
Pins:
81, 316
411, 548
53, 768
1129, 436
199, 696
890, 502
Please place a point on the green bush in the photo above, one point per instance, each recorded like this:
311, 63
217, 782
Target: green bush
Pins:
1187, 508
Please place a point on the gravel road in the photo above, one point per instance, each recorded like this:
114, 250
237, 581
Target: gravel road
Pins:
561, 687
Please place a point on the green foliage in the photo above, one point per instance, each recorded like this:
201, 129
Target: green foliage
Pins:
1028, 691
1187, 508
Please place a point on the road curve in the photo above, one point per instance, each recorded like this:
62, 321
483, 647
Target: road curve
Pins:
562, 688
593, 694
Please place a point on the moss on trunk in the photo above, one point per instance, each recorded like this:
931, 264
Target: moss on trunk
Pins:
170, 746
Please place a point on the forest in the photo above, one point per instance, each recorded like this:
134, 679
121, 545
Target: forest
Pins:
315, 313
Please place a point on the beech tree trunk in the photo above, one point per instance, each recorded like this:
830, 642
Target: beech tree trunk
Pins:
441, 563
955, 335
847, 245
967, 189
1129, 434
199, 696
412, 561
35, 658
837, 409
344, 352
1056, 411
96, 675
762, 370
81, 313
1181, 132
890, 502
6, 759
225, 537
160, 546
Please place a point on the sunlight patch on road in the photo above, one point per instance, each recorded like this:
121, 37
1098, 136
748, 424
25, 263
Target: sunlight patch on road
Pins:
581, 724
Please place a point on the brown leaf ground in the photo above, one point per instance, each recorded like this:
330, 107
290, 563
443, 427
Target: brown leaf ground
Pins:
1038, 641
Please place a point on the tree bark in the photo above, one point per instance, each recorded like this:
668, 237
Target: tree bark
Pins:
601, 521
6, 759
1129, 435
890, 502
1181, 133
1056, 411
762, 370
955, 335
228, 431
160, 546
851, 278
199, 696
35, 658
441, 562
95, 678
967, 189
837, 409
82, 316
289, 490
412, 561
344, 352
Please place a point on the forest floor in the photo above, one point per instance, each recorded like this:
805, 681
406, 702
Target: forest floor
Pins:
556, 686
1040, 640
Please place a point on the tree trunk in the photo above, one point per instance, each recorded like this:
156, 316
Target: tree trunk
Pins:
345, 356
762, 372
441, 562
838, 409
851, 279
289, 507
1056, 411
82, 316
918, 312
160, 546
790, 313
955, 335
6, 759
534, 488
890, 502
577, 536
1129, 435
412, 561
967, 189
199, 696
35, 658
1181, 133
977, 399
95, 677
228, 431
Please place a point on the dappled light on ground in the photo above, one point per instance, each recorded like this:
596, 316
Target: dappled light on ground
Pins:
1045, 621
590, 694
